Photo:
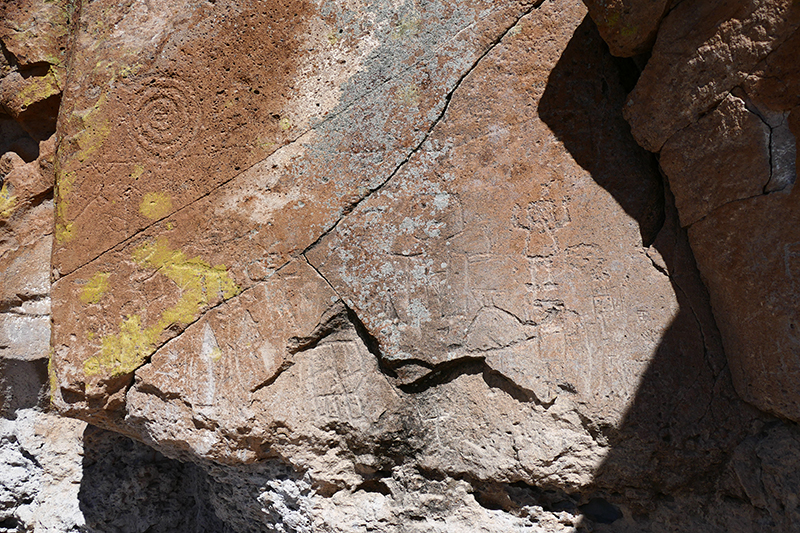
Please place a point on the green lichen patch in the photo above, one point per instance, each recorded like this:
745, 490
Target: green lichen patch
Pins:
155, 205
629, 31
8, 202
200, 283
612, 18
95, 289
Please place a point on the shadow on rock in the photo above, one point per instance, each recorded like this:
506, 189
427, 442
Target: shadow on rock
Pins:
681, 430
129, 487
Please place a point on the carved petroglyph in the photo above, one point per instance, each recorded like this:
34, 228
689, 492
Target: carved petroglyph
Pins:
434, 419
542, 218
334, 377
167, 116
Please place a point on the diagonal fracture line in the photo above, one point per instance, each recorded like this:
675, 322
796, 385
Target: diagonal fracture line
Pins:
315, 127
427, 135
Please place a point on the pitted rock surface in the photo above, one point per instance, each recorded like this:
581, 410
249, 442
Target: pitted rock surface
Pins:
397, 266
446, 238
718, 100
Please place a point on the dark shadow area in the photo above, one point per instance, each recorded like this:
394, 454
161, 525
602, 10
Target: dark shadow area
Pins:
23, 385
587, 86
15, 139
130, 487
686, 420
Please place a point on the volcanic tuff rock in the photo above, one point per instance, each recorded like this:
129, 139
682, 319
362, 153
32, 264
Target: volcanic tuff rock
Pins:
419, 221
719, 100
396, 266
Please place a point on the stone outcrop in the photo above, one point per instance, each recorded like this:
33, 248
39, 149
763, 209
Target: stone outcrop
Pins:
402, 259
334, 266
718, 101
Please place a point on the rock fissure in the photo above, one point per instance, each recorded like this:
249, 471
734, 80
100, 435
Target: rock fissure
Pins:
347, 209
448, 98
183, 329
471, 338
712, 213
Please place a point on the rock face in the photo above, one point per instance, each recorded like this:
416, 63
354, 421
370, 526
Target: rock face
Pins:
362, 288
343, 266
718, 100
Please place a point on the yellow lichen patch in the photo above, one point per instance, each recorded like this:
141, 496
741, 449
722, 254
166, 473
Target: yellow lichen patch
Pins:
51, 375
125, 352
216, 354
93, 129
8, 202
64, 228
65, 232
409, 96
199, 283
39, 88
155, 205
264, 144
408, 27
285, 123
129, 70
94, 291
137, 172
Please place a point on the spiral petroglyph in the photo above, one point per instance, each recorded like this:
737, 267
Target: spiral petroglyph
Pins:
167, 116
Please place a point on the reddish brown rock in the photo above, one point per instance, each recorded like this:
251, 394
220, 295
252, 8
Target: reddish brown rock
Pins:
749, 262
386, 268
34, 34
724, 157
628, 26
36, 31
25, 244
262, 218
718, 99
703, 50
441, 259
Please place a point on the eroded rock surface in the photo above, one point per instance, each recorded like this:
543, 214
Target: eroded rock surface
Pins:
395, 267
718, 100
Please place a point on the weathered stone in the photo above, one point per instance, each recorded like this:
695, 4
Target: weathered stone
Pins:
278, 207
420, 274
34, 35
36, 31
26, 216
724, 157
385, 267
750, 266
40, 457
717, 99
703, 50
126, 486
479, 252
628, 26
